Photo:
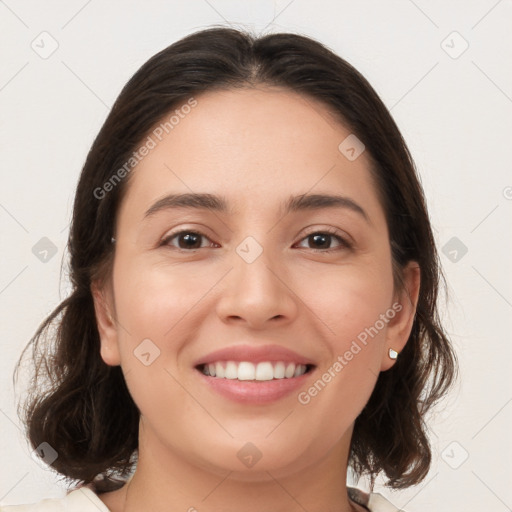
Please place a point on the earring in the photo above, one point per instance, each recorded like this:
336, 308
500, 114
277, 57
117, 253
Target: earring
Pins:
113, 240
393, 354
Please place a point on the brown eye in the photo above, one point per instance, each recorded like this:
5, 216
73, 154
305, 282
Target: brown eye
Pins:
322, 241
186, 240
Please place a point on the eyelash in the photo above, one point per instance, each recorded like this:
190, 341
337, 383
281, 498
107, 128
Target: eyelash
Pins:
344, 243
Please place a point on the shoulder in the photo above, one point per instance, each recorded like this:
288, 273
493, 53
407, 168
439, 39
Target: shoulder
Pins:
374, 502
82, 499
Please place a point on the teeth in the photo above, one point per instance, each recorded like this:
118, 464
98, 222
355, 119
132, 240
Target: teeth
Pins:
290, 370
231, 371
219, 371
279, 370
264, 371
245, 370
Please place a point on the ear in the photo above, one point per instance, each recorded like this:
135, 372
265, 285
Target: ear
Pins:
105, 320
400, 326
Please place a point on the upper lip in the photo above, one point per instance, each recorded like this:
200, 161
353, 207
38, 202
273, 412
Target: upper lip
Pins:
272, 353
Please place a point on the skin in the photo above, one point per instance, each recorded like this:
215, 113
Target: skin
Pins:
256, 147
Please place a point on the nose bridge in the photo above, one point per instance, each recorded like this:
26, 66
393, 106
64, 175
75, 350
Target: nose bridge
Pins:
252, 269
254, 289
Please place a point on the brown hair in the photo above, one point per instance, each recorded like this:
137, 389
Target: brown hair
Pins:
85, 411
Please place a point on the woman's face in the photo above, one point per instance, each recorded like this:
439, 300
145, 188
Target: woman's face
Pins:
271, 285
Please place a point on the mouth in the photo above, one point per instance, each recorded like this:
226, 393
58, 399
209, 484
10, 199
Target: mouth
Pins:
250, 374
255, 372
257, 384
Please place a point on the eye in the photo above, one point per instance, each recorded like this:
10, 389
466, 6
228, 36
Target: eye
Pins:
187, 240
322, 239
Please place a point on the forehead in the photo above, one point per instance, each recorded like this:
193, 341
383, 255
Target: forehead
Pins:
253, 146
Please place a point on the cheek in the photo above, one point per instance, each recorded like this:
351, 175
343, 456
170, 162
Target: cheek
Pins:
353, 309
154, 305
152, 301
350, 299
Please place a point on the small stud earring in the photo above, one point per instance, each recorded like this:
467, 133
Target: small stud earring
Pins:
393, 354
113, 240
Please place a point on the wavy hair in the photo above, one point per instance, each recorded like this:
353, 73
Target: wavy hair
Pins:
81, 406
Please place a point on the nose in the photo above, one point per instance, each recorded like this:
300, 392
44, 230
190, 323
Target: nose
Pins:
257, 293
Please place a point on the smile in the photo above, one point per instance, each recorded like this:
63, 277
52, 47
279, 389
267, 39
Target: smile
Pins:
262, 371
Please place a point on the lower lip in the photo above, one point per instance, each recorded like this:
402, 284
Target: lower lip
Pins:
250, 392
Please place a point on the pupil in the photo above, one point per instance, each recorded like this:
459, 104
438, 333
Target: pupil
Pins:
190, 240
321, 238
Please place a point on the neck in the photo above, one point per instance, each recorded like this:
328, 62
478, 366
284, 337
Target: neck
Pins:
165, 478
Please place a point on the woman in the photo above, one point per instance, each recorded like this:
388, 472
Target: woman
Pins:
255, 281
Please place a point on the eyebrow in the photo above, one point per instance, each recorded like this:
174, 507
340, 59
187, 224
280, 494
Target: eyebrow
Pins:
220, 204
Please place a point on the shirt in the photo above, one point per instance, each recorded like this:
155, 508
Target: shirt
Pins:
85, 499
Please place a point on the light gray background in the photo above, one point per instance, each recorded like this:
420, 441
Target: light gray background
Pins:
454, 111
